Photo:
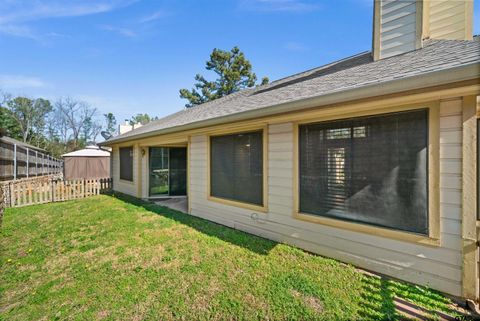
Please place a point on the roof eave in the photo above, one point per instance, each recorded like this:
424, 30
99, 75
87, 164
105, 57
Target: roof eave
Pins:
434, 78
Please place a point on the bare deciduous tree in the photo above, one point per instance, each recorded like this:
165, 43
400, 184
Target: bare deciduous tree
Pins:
76, 120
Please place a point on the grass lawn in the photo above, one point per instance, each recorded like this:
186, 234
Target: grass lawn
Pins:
107, 258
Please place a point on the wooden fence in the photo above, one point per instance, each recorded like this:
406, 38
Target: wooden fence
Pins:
23, 193
18, 161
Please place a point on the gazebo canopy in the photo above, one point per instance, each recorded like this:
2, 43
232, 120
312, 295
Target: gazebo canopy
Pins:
90, 162
89, 151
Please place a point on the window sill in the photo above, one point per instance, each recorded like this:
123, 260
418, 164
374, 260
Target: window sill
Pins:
125, 181
368, 229
256, 208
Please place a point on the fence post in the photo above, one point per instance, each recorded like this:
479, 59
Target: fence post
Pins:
10, 193
36, 163
2, 203
53, 190
14, 161
28, 162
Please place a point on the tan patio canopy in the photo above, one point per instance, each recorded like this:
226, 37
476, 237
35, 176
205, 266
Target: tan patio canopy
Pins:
88, 163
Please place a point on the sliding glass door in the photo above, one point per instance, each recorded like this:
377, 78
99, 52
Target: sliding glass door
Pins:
178, 171
159, 164
167, 171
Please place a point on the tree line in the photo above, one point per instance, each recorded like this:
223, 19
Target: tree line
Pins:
59, 127
69, 124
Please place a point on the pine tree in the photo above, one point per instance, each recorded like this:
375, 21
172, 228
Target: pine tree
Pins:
234, 73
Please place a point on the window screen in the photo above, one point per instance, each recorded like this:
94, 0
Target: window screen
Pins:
371, 170
126, 163
236, 167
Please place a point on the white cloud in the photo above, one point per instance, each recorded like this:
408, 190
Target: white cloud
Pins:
154, 16
121, 31
29, 10
279, 5
15, 16
18, 31
24, 31
18, 82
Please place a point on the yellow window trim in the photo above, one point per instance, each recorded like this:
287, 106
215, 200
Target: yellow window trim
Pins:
139, 169
248, 206
239, 130
121, 180
433, 239
126, 181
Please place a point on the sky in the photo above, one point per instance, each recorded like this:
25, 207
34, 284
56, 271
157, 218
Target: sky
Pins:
133, 56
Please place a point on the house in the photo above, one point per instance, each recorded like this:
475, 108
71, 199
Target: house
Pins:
88, 163
370, 160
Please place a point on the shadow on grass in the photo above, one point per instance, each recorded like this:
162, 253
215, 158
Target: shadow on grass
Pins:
376, 299
248, 241
381, 298
386, 299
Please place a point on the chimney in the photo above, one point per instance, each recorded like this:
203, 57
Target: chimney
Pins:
400, 26
127, 127
123, 128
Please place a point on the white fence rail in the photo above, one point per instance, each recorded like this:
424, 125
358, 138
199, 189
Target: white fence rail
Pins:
30, 192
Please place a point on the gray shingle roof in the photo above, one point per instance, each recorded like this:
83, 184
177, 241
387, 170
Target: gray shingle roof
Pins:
347, 74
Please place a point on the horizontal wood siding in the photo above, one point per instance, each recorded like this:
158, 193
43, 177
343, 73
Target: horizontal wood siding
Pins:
438, 267
119, 185
397, 27
448, 19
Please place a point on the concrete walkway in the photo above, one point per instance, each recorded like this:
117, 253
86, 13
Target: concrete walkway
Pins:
176, 203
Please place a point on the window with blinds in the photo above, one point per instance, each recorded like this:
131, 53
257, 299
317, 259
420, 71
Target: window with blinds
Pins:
126, 163
371, 170
236, 167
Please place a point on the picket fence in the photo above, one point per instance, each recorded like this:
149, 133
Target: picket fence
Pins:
17, 194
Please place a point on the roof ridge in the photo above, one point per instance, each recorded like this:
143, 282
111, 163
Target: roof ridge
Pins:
350, 73
322, 66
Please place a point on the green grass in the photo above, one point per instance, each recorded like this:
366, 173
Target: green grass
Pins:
159, 190
112, 259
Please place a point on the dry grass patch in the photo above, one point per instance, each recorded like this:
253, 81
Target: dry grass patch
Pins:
312, 302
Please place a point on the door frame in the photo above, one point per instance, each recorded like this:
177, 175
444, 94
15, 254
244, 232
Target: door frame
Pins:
186, 146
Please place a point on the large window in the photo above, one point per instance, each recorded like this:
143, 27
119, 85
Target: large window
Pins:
126, 163
236, 167
371, 170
